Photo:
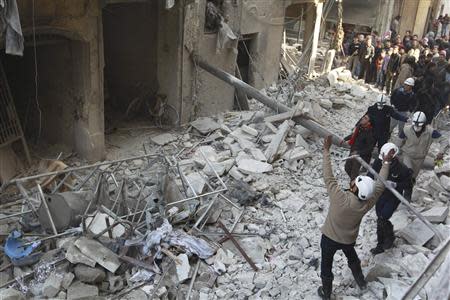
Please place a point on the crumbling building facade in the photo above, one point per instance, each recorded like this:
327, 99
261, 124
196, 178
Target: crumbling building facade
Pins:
85, 61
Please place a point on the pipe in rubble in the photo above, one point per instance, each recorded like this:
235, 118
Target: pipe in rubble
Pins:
254, 93
398, 195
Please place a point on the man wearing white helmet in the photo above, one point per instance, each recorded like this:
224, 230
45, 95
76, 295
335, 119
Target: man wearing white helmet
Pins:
380, 114
400, 178
403, 101
341, 227
416, 140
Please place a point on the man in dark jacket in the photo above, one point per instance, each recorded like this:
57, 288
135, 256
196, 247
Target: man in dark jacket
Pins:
361, 142
400, 178
392, 69
402, 100
380, 114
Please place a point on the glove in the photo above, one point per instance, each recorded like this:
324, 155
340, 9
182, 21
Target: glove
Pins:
392, 184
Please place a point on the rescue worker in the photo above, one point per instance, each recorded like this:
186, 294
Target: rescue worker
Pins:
341, 226
361, 142
416, 140
380, 114
402, 100
400, 178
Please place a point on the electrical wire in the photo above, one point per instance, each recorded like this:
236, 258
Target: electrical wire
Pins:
36, 88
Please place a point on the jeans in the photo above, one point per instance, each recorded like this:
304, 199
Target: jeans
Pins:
400, 124
380, 77
356, 69
386, 205
329, 248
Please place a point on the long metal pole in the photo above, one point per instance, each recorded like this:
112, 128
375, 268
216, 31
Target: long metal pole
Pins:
398, 195
257, 95
429, 271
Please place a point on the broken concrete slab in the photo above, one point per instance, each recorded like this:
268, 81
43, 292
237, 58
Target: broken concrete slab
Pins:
255, 247
379, 270
415, 264
395, 289
417, 233
234, 172
163, 139
325, 103
300, 142
88, 274
296, 154
258, 154
99, 253
11, 294
274, 146
205, 125
251, 166
98, 223
445, 181
220, 169
183, 268
52, 285
249, 130
197, 182
79, 291
400, 219
67, 280
74, 256
437, 214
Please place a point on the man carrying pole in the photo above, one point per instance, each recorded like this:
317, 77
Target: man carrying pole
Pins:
347, 208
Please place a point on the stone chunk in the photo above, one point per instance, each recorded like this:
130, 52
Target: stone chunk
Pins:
52, 285
99, 253
249, 130
436, 214
163, 139
197, 182
205, 125
11, 294
325, 103
79, 290
74, 256
67, 280
88, 274
183, 268
417, 233
251, 166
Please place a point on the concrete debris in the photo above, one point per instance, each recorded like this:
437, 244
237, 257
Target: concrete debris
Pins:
251, 166
183, 268
205, 125
79, 291
11, 294
436, 214
74, 256
163, 139
52, 285
445, 181
88, 274
249, 130
417, 233
98, 224
99, 253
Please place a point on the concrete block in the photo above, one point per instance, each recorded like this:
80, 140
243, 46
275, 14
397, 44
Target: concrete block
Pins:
258, 154
445, 181
163, 139
98, 223
249, 130
79, 290
183, 268
197, 182
88, 274
67, 280
296, 154
436, 214
417, 233
52, 285
74, 256
11, 294
236, 174
205, 125
251, 166
325, 103
99, 253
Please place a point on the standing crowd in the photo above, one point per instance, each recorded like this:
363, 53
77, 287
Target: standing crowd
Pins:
416, 75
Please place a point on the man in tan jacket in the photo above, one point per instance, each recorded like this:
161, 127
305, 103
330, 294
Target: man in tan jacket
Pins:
347, 208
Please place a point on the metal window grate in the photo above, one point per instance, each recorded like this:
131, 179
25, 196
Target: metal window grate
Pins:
10, 129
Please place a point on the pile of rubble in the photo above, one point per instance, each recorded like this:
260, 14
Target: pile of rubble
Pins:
230, 207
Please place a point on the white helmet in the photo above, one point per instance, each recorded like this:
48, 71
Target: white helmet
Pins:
418, 120
381, 101
365, 186
387, 148
410, 81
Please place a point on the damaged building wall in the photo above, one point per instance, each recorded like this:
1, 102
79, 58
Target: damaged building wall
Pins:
77, 96
260, 20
